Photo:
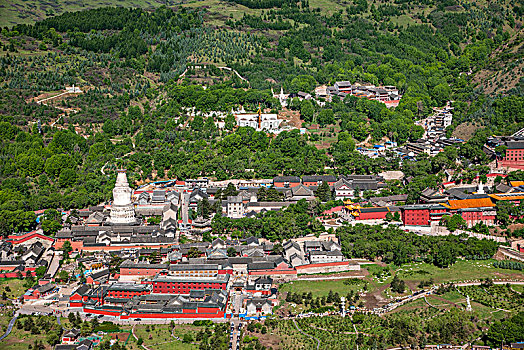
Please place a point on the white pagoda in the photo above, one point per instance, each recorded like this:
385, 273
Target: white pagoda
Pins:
122, 210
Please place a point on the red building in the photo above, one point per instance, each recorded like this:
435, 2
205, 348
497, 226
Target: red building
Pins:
374, 213
129, 268
317, 180
421, 214
514, 157
286, 181
79, 296
474, 210
127, 290
184, 285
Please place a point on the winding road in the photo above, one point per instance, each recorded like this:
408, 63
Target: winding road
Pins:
9, 327
309, 335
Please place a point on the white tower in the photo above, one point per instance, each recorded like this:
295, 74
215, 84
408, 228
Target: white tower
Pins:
481, 188
122, 210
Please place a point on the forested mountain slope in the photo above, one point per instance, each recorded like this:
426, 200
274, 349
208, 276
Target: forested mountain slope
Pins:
134, 109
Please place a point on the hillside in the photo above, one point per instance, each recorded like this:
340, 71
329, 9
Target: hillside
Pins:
139, 110
505, 69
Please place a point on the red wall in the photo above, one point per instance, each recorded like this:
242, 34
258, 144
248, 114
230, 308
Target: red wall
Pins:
336, 263
15, 274
372, 215
272, 272
27, 236
139, 272
415, 217
79, 245
184, 287
218, 314
291, 184
125, 294
102, 312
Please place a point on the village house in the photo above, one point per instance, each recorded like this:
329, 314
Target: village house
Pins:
235, 207
257, 306
286, 181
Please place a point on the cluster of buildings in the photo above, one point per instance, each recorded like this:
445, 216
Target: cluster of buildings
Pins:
508, 151
389, 95
259, 121
200, 280
435, 125
161, 278
472, 203
267, 122
21, 255
476, 204
434, 139
72, 339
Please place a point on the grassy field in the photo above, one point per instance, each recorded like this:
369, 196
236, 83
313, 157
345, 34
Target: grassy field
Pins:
15, 290
412, 274
320, 288
27, 11
450, 301
461, 271
518, 288
19, 339
159, 337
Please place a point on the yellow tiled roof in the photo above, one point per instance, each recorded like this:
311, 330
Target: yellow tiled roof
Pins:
470, 203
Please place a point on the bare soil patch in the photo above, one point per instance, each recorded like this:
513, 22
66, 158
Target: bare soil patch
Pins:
465, 131
291, 117
270, 341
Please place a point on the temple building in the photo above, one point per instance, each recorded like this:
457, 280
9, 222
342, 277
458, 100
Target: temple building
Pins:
259, 121
122, 209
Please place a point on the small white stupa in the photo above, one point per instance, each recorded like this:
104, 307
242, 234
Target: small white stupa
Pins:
122, 210
480, 189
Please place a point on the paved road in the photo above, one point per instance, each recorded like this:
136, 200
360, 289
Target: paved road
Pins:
235, 337
309, 335
9, 327
54, 265
185, 208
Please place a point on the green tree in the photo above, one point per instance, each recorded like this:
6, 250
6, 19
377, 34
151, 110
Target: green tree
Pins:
504, 209
231, 252
193, 252
230, 122
67, 178
307, 111
326, 117
398, 285
305, 83
230, 190
51, 227
444, 255
323, 192
454, 222
66, 248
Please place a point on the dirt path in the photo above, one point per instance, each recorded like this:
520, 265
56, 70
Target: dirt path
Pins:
366, 141
308, 335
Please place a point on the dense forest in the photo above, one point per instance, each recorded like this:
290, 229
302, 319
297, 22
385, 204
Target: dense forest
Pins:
392, 245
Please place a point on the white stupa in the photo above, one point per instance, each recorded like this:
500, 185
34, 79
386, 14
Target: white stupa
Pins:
122, 210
